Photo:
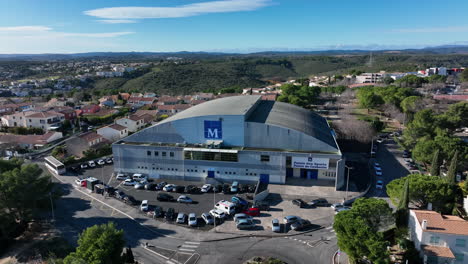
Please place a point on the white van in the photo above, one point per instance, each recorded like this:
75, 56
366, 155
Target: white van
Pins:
225, 206
138, 177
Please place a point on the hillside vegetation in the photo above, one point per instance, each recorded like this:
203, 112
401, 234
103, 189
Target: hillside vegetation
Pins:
247, 71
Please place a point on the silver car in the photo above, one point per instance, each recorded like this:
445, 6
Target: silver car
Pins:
209, 220
181, 218
192, 219
275, 225
240, 216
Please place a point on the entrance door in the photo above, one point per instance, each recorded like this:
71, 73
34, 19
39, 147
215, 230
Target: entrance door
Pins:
265, 178
289, 172
211, 174
312, 174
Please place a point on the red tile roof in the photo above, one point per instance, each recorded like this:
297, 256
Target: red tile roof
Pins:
90, 136
45, 114
117, 127
443, 252
439, 223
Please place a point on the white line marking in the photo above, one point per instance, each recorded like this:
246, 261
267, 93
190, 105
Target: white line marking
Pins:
188, 250
328, 228
154, 252
169, 262
189, 246
190, 242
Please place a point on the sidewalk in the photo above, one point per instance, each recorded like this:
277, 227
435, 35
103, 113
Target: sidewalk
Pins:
340, 257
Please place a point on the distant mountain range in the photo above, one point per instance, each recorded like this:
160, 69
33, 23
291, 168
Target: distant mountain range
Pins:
446, 49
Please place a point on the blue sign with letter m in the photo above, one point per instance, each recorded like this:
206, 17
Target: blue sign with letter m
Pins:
213, 130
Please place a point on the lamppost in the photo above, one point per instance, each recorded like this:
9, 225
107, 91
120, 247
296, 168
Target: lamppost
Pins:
52, 207
347, 181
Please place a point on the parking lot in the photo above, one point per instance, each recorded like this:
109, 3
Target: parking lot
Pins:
204, 202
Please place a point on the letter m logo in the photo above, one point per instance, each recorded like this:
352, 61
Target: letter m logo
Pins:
213, 130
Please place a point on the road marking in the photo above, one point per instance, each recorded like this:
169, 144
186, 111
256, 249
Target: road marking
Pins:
188, 250
110, 178
154, 252
190, 242
328, 228
189, 246
169, 262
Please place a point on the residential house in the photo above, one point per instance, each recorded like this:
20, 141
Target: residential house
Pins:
68, 112
132, 122
168, 100
108, 101
30, 141
45, 119
141, 101
439, 238
113, 132
90, 109
55, 102
83, 142
203, 96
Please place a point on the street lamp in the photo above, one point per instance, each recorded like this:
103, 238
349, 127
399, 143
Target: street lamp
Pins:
52, 207
347, 181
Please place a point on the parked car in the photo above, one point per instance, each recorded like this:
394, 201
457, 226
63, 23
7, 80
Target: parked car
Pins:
160, 186
130, 200
291, 219
139, 177
253, 211
169, 216
378, 171
101, 162
84, 166
144, 206
189, 189
300, 224
234, 187
226, 189
150, 186
109, 160
252, 188
262, 205
121, 177
240, 216
91, 164
78, 181
342, 209
275, 225
208, 218
319, 202
158, 211
179, 189
377, 165
379, 185
206, 188
245, 224
184, 199
119, 194
139, 185
244, 188
216, 213
218, 188
239, 201
192, 220
168, 187
380, 140
181, 218
406, 154
129, 182
337, 206
164, 197
299, 202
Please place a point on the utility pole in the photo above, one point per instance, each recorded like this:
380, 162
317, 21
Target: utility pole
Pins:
347, 181
52, 207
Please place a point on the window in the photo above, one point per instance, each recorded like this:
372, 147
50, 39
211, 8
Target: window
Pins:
434, 240
171, 154
460, 242
148, 153
264, 158
156, 153
164, 154
459, 257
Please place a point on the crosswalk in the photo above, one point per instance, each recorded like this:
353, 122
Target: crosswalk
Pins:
189, 246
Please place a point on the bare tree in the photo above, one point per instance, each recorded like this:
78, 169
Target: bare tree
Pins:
352, 129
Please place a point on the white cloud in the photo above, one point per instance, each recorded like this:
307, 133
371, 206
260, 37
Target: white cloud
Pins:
117, 21
25, 29
178, 11
96, 35
432, 30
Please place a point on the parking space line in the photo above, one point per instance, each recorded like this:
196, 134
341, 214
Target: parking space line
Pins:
110, 178
190, 242
169, 262
189, 246
188, 250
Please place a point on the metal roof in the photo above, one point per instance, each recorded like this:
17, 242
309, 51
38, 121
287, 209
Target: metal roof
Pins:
234, 105
293, 117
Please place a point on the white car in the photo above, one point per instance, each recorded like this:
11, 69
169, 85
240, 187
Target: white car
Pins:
101, 162
342, 209
84, 166
275, 225
240, 216
121, 177
184, 199
139, 185
144, 206
91, 164
216, 213
337, 206
78, 181
192, 219
168, 187
181, 217
206, 188
380, 140
379, 185
378, 171
209, 220
129, 182
377, 165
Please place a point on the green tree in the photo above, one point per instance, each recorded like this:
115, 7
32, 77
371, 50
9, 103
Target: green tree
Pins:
359, 230
24, 191
99, 244
424, 149
464, 76
435, 164
402, 209
368, 99
452, 171
411, 104
424, 189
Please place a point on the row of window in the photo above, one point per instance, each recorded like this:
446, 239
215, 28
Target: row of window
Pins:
163, 153
196, 170
435, 240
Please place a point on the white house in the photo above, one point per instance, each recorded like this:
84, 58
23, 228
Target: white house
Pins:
132, 122
439, 238
44, 120
113, 132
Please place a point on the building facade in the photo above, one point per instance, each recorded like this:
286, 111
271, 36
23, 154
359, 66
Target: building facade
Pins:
113, 132
235, 138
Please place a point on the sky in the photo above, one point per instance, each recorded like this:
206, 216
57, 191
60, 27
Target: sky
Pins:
75, 26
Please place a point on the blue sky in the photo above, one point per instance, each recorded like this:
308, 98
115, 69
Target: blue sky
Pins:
67, 26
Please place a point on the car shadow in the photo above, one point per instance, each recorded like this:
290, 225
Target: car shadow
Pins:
275, 209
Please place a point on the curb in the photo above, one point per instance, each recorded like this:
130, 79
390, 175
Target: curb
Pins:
334, 257
262, 236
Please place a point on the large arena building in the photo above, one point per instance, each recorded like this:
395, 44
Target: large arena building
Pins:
240, 138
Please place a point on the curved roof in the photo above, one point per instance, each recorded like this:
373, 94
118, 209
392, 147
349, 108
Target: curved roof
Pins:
293, 117
233, 105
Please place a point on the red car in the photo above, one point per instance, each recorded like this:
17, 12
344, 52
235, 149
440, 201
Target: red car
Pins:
252, 211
